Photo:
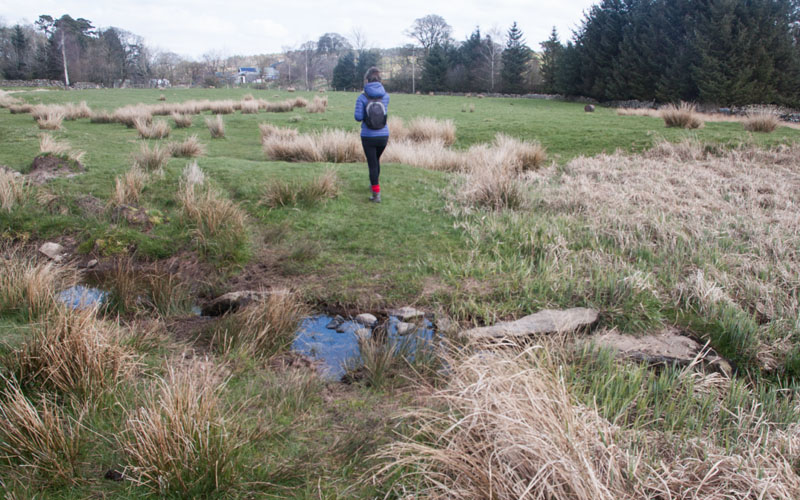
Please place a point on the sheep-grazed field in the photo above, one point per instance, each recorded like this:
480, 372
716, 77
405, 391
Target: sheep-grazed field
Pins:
492, 209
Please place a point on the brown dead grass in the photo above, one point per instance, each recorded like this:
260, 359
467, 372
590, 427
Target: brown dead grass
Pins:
422, 129
318, 105
13, 190
269, 130
128, 187
761, 119
151, 159
181, 120
30, 286
50, 146
681, 116
157, 129
216, 127
191, 147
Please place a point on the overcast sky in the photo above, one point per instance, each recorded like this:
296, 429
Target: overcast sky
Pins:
194, 27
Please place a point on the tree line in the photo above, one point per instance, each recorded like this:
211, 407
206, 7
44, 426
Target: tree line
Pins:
728, 52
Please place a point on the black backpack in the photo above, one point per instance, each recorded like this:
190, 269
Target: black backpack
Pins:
375, 113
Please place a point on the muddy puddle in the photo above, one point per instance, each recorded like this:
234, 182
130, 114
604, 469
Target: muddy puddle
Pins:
82, 297
335, 349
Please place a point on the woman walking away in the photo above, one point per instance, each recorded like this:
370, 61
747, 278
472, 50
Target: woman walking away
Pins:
371, 110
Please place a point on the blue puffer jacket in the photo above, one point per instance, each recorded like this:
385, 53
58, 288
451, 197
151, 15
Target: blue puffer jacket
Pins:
372, 89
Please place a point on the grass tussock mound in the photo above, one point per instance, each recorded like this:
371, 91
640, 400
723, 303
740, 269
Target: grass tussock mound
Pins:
300, 148
128, 187
224, 107
219, 224
182, 442
318, 105
50, 146
130, 115
48, 117
761, 119
20, 109
432, 155
29, 287
181, 120
339, 146
423, 129
507, 425
13, 190
191, 147
151, 159
249, 107
157, 129
73, 351
269, 131
284, 194
101, 117
39, 439
216, 127
7, 100
681, 116
264, 328
276, 107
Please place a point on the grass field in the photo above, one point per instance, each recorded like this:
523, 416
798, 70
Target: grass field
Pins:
653, 226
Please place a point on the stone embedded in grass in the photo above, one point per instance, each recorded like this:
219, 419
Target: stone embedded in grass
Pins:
366, 319
52, 250
406, 313
233, 301
404, 328
545, 321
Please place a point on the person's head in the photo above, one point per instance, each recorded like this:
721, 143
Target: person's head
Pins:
372, 75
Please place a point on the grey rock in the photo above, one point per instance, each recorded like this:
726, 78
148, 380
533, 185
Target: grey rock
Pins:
343, 327
335, 323
444, 324
545, 321
404, 328
366, 319
233, 301
51, 250
589, 108
664, 347
406, 313
92, 263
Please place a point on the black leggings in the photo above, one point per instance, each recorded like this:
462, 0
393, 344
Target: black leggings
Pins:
373, 149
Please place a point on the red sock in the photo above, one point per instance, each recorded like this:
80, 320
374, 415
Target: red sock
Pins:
376, 188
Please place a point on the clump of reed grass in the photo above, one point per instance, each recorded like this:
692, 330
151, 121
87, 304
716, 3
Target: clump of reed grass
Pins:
130, 115
432, 155
157, 129
74, 111
101, 117
283, 194
269, 130
162, 97
181, 120
263, 328
19, 109
50, 119
50, 146
128, 187
182, 442
423, 129
7, 100
681, 116
249, 107
216, 126
248, 97
301, 148
224, 107
277, 107
338, 146
220, 225
318, 105
13, 190
151, 159
299, 102
493, 185
191, 147
39, 438
72, 351
30, 287
761, 119
524, 155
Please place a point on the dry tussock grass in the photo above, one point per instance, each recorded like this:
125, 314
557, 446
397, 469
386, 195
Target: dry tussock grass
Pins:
101, 117
128, 187
716, 200
130, 115
277, 107
522, 155
48, 117
30, 286
338, 146
39, 438
216, 126
20, 109
224, 107
284, 194
249, 107
264, 328
248, 97
299, 102
269, 130
157, 129
13, 190
151, 159
300, 148
318, 105
761, 119
50, 146
182, 441
506, 426
493, 180
681, 116
181, 120
431, 155
423, 129
7, 100
191, 147
73, 351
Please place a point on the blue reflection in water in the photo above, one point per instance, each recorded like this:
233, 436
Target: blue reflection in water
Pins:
336, 349
81, 297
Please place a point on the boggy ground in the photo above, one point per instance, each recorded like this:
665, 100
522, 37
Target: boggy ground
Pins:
699, 235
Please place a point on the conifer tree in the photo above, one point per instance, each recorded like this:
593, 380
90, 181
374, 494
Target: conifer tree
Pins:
515, 61
434, 71
344, 73
551, 54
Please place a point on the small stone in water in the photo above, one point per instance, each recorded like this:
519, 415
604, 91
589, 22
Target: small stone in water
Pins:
366, 319
335, 323
343, 327
406, 328
406, 313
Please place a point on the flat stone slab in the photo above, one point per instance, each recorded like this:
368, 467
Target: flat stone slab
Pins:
407, 313
404, 328
52, 250
664, 347
366, 319
233, 301
545, 321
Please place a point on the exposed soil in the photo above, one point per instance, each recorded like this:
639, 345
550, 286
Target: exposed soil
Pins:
47, 167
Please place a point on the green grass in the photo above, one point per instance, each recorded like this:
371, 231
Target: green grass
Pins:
312, 440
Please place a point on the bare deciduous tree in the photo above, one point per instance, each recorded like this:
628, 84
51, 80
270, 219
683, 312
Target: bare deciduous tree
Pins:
429, 31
